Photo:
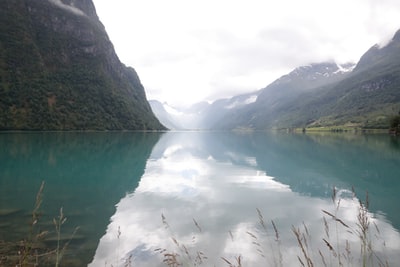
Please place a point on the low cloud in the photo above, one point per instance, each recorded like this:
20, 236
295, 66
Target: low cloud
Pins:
211, 49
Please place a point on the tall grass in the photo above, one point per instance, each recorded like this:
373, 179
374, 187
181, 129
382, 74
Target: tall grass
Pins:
31, 250
340, 254
266, 241
333, 249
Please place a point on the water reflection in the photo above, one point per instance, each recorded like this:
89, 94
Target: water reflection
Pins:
85, 173
200, 193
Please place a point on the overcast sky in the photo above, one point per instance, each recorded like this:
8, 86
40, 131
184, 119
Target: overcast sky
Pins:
186, 51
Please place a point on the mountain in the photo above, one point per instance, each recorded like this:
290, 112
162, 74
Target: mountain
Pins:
277, 101
222, 108
363, 95
190, 118
227, 113
59, 71
326, 94
202, 115
164, 116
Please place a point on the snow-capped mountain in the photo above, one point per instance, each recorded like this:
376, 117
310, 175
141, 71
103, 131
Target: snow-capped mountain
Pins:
202, 115
179, 119
316, 74
319, 94
205, 116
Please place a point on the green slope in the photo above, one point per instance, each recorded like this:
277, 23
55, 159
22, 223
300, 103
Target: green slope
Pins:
59, 71
367, 97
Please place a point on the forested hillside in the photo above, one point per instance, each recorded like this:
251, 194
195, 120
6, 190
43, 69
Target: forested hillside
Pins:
59, 71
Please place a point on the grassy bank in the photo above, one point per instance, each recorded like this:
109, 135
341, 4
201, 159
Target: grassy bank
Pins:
340, 129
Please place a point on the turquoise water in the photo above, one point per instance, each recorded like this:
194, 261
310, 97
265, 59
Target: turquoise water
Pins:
132, 193
85, 173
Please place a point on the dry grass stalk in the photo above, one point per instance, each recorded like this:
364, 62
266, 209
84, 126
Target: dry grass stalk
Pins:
278, 241
171, 260
251, 234
363, 224
326, 227
197, 225
261, 219
27, 245
57, 224
301, 262
32, 251
237, 259
301, 244
256, 244
348, 255
334, 217
275, 230
306, 229
272, 248
303, 237
330, 247
128, 261
362, 230
186, 257
200, 257
231, 235
322, 258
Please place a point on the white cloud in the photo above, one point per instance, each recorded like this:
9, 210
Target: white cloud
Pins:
187, 183
186, 51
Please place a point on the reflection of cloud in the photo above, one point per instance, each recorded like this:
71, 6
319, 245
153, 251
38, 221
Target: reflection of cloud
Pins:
222, 197
261, 181
171, 150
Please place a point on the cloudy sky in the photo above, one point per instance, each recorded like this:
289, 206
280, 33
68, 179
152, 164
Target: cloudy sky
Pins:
186, 51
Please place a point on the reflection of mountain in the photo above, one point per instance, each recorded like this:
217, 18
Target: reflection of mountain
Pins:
312, 165
218, 179
85, 173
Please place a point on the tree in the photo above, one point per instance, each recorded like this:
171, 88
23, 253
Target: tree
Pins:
395, 124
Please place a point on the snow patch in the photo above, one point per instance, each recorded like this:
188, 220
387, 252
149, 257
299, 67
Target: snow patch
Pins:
71, 9
249, 100
233, 105
344, 69
171, 110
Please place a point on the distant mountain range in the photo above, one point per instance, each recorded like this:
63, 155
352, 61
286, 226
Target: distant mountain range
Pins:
364, 95
200, 116
59, 71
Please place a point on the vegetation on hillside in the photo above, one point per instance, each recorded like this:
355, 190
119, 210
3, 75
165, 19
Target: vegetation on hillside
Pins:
367, 97
395, 124
59, 71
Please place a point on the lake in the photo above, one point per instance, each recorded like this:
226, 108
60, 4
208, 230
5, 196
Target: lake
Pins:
205, 198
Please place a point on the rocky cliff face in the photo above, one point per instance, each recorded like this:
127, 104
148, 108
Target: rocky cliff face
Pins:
59, 71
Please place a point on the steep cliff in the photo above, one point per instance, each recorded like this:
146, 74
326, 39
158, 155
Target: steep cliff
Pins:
59, 71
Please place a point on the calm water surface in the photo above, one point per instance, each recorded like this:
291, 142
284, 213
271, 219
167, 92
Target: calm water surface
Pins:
201, 194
